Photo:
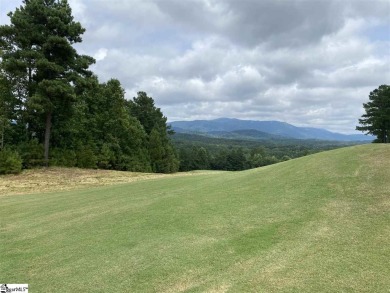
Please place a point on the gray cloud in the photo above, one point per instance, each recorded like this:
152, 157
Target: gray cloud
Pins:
282, 23
312, 63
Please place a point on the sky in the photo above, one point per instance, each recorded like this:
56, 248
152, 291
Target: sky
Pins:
305, 62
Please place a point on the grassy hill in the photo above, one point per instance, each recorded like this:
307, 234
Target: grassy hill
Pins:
314, 224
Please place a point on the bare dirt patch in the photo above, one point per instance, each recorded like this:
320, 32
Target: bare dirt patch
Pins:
61, 179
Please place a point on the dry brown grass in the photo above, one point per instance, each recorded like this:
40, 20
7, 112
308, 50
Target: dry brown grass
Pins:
61, 179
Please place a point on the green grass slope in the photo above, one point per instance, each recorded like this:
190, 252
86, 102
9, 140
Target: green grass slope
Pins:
314, 224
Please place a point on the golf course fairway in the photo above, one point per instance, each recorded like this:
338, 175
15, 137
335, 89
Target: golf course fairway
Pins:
319, 223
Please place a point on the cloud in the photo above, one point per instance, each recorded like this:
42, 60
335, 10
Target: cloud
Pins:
100, 54
312, 63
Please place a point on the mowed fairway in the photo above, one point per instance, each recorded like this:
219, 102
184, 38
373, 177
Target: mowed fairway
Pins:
314, 224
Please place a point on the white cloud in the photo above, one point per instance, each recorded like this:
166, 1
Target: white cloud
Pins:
100, 54
78, 10
312, 63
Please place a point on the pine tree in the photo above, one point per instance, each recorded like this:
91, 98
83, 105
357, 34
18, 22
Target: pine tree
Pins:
376, 120
162, 155
38, 52
7, 107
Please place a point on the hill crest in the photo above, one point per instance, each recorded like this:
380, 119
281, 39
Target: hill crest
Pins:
276, 128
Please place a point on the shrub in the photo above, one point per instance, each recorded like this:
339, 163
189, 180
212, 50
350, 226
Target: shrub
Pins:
63, 158
106, 157
10, 162
86, 158
32, 154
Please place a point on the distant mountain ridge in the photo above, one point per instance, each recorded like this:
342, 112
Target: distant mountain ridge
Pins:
236, 128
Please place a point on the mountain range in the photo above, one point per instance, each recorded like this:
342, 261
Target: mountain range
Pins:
251, 129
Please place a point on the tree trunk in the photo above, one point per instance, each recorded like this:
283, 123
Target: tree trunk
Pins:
2, 139
47, 137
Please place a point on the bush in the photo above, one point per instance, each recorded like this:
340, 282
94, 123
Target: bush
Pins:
10, 162
86, 158
106, 157
63, 158
32, 154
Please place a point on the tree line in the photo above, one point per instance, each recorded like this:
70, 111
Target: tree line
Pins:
228, 159
199, 152
54, 110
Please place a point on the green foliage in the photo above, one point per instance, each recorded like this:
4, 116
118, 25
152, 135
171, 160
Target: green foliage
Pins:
86, 157
63, 158
230, 160
162, 154
376, 120
136, 163
172, 163
31, 153
235, 160
10, 162
102, 118
194, 158
106, 157
142, 107
7, 105
38, 55
49, 99
198, 152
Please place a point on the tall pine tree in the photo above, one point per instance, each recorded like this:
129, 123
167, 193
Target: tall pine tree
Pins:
38, 52
376, 120
162, 155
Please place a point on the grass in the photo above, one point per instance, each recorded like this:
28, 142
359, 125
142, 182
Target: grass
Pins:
314, 224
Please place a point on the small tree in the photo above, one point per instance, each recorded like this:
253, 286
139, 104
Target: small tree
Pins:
376, 120
7, 102
162, 155
10, 162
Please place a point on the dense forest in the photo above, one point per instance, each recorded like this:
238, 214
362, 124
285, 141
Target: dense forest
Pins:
54, 110
197, 152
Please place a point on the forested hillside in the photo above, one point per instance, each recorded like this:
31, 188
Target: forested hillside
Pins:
200, 152
54, 110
